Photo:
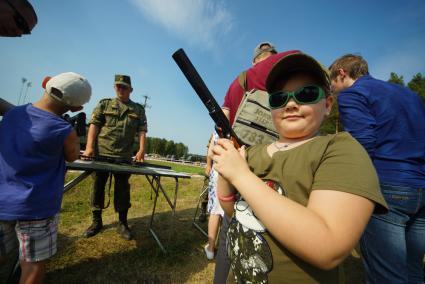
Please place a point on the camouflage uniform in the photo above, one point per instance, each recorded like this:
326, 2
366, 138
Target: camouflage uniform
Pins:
119, 123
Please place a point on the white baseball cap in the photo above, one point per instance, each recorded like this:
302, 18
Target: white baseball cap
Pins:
70, 88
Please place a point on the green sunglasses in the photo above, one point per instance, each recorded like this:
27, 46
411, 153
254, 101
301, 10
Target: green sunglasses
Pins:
304, 96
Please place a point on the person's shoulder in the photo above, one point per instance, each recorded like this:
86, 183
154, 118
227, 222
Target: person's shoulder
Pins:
341, 136
373, 88
345, 141
139, 105
361, 88
136, 105
15, 111
105, 101
19, 108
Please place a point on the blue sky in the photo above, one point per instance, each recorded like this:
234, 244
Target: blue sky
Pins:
137, 37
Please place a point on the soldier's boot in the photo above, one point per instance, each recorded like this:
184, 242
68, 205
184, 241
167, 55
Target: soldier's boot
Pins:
123, 228
96, 225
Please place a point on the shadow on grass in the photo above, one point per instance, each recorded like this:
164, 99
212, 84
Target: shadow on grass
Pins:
106, 258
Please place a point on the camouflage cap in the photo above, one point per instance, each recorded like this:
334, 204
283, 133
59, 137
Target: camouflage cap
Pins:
122, 80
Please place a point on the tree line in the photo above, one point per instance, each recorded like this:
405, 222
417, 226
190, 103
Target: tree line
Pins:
166, 147
416, 84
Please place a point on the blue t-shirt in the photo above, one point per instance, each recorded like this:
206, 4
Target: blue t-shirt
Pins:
32, 163
389, 121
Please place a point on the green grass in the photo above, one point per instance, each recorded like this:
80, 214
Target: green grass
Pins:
106, 258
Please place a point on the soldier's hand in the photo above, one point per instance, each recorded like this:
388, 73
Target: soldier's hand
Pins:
87, 154
140, 156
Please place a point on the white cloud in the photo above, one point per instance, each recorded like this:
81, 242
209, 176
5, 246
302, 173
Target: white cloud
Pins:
200, 22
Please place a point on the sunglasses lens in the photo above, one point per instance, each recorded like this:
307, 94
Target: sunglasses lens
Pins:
304, 95
277, 100
308, 94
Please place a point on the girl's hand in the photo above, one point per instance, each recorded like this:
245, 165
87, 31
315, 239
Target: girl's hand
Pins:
229, 162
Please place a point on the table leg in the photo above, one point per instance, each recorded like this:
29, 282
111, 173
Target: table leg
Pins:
76, 180
156, 186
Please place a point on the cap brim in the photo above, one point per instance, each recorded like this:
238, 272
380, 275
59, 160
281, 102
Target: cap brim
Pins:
122, 83
293, 63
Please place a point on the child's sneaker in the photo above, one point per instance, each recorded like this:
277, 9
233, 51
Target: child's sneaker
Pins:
208, 253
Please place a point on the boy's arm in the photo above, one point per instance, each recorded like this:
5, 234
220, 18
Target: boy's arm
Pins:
224, 188
323, 233
72, 147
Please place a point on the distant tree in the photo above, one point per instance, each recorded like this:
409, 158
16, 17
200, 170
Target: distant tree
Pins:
148, 145
396, 79
161, 146
181, 150
164, 147
197, 158
152, 146
417, 84
169, 147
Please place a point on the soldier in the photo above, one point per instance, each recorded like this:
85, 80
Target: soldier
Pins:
115, 123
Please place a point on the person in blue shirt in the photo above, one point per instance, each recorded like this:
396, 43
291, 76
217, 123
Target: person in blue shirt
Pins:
35, 142
389, 121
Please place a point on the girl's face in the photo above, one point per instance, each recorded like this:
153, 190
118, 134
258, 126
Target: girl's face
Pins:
300, 121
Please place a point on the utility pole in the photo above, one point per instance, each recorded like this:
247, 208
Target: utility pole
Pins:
145, 104
24, 80
29, 84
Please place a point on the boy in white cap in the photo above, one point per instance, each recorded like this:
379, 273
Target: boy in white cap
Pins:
32, 171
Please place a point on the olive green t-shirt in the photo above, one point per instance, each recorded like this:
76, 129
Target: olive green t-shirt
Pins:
119, 123
332, 162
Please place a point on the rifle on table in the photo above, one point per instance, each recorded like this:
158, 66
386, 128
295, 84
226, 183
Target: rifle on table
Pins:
100, 158
215, 111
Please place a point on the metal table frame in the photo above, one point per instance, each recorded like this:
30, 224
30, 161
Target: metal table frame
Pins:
204, 191
152, 174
